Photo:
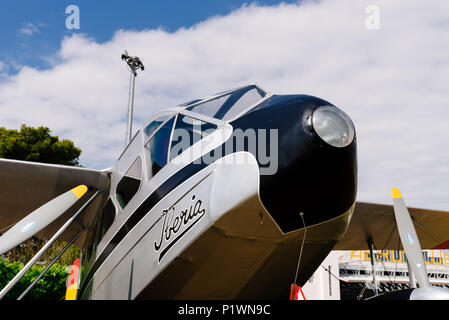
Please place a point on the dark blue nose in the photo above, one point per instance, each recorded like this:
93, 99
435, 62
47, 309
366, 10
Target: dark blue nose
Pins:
316, 159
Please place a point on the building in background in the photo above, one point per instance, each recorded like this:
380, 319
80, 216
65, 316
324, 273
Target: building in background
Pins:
324, 284
347, 275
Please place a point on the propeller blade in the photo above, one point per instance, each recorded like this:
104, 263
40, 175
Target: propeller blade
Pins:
409, 239
40, 218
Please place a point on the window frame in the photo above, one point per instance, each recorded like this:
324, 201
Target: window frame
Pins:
175, 112
224, 93
196, 116
147, 152
172, 112
142, 174
229, 92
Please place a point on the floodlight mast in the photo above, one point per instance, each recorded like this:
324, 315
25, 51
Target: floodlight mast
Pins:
134, 64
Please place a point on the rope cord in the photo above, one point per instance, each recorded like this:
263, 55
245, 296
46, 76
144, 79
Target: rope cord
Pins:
382, 262
333, 275
428, 231
301, 214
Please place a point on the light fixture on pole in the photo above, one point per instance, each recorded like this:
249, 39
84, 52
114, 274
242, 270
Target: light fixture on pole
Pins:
134, 64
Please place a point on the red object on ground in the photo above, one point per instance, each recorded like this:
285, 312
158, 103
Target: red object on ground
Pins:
295, 291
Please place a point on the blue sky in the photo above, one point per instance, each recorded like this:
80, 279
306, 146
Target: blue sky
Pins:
45, 22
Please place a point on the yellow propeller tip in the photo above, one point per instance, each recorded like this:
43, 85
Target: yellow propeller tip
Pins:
396, 193
79, 191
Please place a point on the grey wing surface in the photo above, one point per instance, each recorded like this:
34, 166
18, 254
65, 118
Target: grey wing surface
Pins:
25, 186
377, 222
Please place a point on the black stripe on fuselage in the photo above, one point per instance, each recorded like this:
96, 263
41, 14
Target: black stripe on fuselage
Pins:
170, 184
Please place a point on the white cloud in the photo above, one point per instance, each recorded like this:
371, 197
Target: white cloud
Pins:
392, 82
30, 28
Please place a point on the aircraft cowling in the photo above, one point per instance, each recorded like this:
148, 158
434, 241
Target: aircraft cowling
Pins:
312, 176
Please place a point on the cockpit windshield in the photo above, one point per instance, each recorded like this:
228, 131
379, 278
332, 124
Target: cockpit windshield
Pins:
227, 105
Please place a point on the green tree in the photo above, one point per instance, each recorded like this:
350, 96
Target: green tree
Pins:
36, 144
50, 287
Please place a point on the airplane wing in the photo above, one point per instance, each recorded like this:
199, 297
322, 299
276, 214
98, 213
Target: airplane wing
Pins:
25, 186
377, 222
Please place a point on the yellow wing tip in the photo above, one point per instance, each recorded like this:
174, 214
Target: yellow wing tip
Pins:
396, 193
79, 191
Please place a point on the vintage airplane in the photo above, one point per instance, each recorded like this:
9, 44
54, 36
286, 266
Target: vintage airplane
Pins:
213, 199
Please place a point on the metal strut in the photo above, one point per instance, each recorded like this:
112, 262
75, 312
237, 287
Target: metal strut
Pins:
33, 260
49, 265
370, 245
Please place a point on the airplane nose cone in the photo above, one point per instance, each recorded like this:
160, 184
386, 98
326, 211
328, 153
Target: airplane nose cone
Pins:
316, 161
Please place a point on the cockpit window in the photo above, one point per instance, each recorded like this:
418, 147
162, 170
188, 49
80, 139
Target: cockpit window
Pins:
241, 103
157, 148
153, 125
189, 103
187, 132
209, 108
229, 105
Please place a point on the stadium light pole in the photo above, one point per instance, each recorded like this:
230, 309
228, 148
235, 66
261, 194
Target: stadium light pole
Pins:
134, 64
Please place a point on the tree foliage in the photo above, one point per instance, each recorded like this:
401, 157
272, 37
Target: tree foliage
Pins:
27, 249
36, 144
52, 286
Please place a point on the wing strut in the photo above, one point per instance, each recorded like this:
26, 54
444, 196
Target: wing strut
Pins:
371, 245
33, 260
49, 265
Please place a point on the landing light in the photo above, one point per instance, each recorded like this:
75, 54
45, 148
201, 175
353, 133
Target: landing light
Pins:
333, 126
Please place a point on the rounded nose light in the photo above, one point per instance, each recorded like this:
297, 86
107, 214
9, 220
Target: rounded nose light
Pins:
333, 126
